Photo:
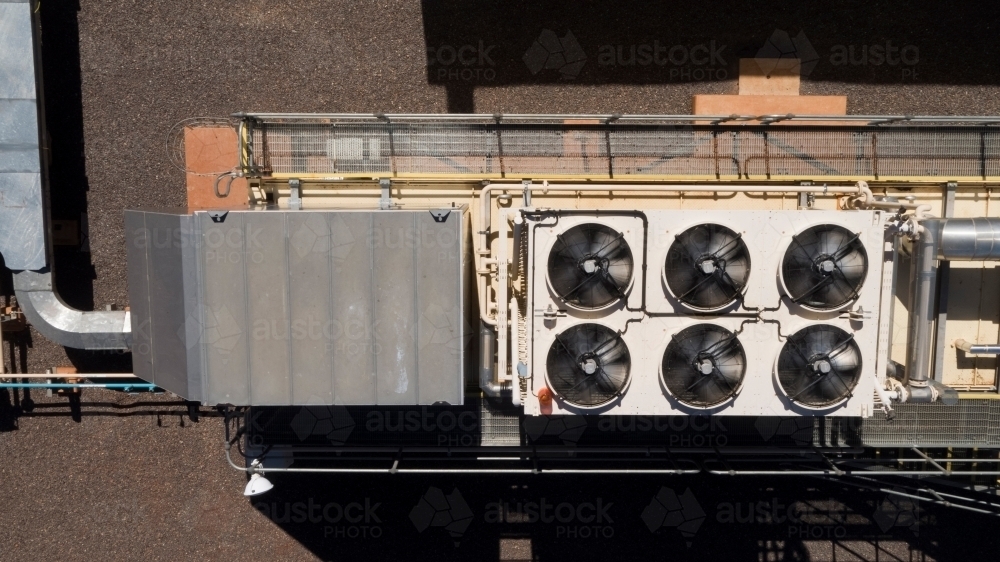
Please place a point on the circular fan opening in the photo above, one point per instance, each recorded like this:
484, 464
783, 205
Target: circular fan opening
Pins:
824, 267
819, 366
707, 267
703, 365
590, 266
588, 365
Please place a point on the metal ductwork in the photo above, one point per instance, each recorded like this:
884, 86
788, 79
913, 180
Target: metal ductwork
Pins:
968, 239
24, 236
487, 374
976, 239
47, 312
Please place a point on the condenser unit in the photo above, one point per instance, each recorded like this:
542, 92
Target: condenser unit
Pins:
736, 313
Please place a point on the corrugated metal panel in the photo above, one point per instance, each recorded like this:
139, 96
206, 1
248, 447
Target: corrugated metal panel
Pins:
301, 307
337, 147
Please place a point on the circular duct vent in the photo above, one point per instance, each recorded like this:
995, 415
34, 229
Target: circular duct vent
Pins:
707, 267
590, 266
703, 365
824, 267
588, 365
819, 366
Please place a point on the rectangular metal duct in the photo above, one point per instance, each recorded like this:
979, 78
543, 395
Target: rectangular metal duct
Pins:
283, 307
22, 217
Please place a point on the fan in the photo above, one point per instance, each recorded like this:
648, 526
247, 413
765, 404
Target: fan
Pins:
590, 266
707, 267
704, 365
824, 267
819, 366
588, 365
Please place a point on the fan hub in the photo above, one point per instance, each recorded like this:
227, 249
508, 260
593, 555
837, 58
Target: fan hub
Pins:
825, 265
705, 366
821, 367
589, 366
707, 266
590, 265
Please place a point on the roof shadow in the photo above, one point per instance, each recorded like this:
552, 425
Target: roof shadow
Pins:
486, 44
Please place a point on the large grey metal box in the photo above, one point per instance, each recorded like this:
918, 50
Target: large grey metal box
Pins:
283, 307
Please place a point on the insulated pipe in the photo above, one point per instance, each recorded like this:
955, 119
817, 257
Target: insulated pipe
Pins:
487, 374
59, 385
923, 280
71, 376
978, 348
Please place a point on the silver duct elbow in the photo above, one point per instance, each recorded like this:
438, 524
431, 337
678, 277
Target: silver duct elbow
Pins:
98, 330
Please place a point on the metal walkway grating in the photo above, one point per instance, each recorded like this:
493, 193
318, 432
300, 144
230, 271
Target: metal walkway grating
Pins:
970, 423
367, 147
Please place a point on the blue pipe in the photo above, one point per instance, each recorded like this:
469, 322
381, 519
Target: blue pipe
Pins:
56, 385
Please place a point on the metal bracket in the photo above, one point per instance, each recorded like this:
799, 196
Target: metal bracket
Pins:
440, 215
385, 201
527, 192
522, 370
550, 312
295, 199
857, 314
218, 216
12, 319
806, 200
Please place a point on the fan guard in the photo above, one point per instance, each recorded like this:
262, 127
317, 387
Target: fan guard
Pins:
590, 266
707, 267
824, 267
819, 366
588, 365
703, 365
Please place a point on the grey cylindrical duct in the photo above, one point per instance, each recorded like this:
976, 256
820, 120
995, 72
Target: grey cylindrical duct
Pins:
969, 239
923, 280
487, 379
